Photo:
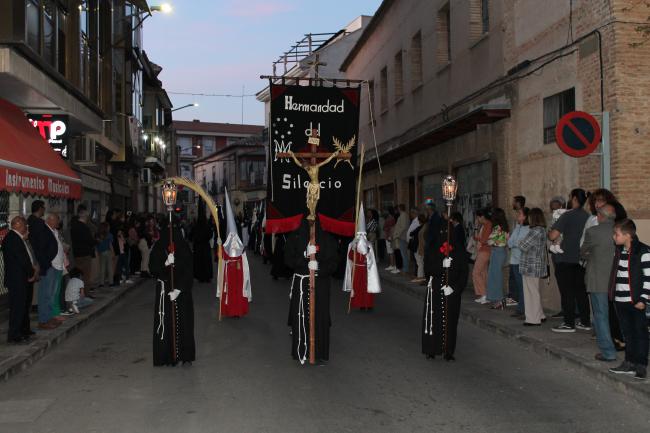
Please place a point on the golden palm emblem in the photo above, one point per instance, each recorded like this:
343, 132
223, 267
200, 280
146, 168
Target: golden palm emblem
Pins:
344, 148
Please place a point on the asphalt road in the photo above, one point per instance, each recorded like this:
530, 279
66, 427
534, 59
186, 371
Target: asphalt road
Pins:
102, 379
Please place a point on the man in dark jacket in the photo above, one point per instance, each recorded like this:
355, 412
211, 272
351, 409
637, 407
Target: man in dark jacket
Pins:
20, 273
45, 247
83, 245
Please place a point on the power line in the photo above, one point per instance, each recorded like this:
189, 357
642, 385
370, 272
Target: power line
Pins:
214, 95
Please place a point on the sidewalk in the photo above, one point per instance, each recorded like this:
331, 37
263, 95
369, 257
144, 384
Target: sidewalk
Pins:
576, 349
15, 358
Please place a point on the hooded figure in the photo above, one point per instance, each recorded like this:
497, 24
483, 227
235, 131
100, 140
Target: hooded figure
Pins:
201, 236
234, 285
173, 333
361, 276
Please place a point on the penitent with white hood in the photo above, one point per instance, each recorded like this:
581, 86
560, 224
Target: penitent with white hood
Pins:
361, 275
234, 284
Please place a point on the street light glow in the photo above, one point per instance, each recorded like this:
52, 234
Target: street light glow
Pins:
196, 104
165, 8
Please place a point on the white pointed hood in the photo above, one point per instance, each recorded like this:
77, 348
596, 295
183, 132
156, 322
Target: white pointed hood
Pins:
360, 240
363, 247
233, 245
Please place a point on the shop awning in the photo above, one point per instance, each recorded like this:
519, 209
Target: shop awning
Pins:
27, 162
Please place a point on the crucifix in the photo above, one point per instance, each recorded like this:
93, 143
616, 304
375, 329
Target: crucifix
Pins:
315, 64
312, 168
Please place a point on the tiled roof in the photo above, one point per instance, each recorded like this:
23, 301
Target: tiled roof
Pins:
225, 128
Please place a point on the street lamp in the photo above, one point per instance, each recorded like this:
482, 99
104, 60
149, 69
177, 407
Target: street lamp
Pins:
165, 8
195, 104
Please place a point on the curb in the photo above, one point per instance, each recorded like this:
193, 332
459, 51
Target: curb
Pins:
636, 389
39, 348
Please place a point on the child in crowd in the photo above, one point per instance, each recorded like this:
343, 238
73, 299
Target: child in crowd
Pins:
555, 245
630, 291
75, 298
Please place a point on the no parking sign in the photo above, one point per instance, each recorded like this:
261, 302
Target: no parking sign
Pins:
577, 134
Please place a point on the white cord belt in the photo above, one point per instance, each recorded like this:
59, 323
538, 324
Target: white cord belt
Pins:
161, 311
302, 329
428, 311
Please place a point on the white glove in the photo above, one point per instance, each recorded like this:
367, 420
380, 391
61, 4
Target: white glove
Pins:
311, 249
447, 290
170, 259
174, 294
446, 262
313, 265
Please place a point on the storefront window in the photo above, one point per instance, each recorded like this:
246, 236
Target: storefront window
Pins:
33, 24
432, 189
474, 190
386, 196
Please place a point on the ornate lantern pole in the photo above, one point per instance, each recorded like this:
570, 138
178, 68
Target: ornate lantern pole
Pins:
169, 192
449, 190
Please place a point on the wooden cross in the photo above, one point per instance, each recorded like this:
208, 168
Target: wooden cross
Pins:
313, 194
314, 155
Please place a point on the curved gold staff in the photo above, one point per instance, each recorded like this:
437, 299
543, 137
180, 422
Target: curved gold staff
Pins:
211, 205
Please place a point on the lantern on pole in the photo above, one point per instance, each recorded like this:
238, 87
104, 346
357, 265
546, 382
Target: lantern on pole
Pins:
169, 192
449, 190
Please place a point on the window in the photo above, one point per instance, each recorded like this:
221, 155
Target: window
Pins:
251, 173
479, 19
555, 107
399, 77
383, 89
61, 41
485, 16
444, 35
416, 60
371, 95
185, 145
33, 24
49, 33
208, 145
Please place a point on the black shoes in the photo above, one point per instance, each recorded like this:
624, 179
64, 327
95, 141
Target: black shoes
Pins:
624, 368
20, 341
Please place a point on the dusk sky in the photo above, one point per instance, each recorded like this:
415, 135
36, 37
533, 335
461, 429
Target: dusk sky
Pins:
222, 46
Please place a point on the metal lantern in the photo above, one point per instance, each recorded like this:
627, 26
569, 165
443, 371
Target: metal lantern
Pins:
449, 189
169, 191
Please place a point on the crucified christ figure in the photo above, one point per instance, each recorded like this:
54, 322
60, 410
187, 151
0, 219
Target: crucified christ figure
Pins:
313, 189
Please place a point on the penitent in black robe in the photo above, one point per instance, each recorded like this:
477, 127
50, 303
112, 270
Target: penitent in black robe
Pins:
201, 236
441, 313
172, 344
327, 257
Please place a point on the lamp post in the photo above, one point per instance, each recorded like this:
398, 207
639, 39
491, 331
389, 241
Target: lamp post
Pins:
169, 192
195, 104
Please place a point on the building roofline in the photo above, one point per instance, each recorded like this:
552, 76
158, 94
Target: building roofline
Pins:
370, 28
228, 149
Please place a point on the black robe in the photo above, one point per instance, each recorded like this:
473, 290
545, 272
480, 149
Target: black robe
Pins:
203, 262
327, 257
164, 352
441, 313
279, 268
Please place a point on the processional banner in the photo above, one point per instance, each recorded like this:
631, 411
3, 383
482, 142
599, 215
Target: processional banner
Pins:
312, 122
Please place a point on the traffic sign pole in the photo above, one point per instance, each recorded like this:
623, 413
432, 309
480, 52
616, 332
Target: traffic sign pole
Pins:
606, 157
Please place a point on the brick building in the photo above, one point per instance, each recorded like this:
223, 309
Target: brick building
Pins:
476, 87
